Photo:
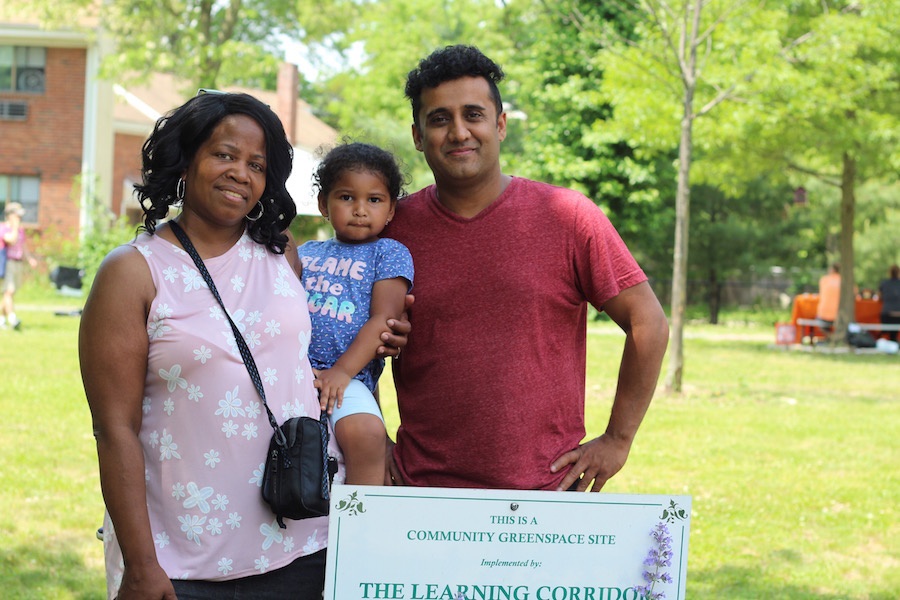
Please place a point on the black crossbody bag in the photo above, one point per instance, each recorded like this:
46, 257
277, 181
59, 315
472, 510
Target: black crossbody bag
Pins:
298, 473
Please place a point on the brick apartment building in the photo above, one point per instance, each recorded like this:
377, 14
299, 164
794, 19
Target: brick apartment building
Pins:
67, 136
48, 128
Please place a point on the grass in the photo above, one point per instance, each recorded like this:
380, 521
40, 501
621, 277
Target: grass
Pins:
790, 457
49, 487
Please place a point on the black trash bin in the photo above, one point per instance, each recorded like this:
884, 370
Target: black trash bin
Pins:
67, 279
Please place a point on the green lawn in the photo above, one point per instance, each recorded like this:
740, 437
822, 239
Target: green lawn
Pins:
49, 488
791, 459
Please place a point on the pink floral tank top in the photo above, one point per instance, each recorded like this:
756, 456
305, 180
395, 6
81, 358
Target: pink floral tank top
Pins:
204, 431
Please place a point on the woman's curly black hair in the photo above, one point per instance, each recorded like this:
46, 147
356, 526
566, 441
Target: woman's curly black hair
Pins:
174, 143
449, 64
358, 156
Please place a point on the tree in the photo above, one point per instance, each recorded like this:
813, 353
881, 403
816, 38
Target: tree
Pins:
735, 238
878, 221
204, 42
684, 60
556, 127
561, 133
827, 111
381, 42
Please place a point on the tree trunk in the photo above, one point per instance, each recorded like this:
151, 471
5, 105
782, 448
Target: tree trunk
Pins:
714, 296
847, 307
687, 58
679, 269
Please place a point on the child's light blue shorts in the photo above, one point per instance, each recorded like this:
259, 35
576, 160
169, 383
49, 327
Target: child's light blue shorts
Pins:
357, 400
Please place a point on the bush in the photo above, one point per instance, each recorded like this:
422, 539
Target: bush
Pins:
101, 240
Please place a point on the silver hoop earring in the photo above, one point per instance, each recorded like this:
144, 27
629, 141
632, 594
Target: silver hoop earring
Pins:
262, 209
179, 190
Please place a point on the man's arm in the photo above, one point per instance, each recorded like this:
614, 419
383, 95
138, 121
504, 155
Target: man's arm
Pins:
638, 312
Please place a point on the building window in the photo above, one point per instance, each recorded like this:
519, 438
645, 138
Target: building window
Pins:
13, 111
22, 69
22, 189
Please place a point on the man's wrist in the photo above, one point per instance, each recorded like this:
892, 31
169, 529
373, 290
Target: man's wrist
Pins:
620, 437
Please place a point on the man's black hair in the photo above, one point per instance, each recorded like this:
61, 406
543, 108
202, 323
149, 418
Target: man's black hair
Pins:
448, 64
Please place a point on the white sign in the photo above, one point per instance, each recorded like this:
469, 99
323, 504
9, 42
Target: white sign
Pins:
408, 543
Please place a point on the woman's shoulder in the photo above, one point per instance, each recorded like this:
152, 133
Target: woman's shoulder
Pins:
124, 270
158, 246
126, 256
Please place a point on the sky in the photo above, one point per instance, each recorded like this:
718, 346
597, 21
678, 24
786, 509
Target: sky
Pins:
318, 62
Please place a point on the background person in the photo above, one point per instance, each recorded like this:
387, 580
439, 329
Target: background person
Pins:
491, 386
12, 234
355, 282
889, 291
181, 432
829, 296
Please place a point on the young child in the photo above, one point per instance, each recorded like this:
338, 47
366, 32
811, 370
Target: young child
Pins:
355, 282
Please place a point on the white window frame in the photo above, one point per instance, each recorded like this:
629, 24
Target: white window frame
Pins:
24, 189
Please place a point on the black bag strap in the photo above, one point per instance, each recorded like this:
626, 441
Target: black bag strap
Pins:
239, 340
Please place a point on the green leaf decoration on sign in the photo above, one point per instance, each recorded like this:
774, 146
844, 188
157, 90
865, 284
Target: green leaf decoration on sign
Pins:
673, 513
350, 505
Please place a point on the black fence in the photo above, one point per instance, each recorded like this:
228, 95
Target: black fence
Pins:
775, 293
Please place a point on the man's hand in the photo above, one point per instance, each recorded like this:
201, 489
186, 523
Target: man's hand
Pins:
392, 474
597, 460
395, 341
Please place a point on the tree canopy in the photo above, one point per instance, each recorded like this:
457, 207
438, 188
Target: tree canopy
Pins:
825, 110
381, 43
776, 95
204, 42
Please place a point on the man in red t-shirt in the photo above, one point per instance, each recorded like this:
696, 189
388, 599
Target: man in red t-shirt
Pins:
491, 385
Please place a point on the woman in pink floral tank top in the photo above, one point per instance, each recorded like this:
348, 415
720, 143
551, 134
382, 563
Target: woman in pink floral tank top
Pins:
181, 431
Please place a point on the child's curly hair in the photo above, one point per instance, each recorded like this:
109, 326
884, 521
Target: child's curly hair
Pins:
359, 156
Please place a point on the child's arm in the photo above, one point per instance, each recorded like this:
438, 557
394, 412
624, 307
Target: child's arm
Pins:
388, 298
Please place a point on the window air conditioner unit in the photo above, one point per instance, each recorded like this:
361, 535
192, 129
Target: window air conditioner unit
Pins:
11, 110
30, 80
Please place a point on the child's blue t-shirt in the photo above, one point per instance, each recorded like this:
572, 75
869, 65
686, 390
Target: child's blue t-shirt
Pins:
338, 280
